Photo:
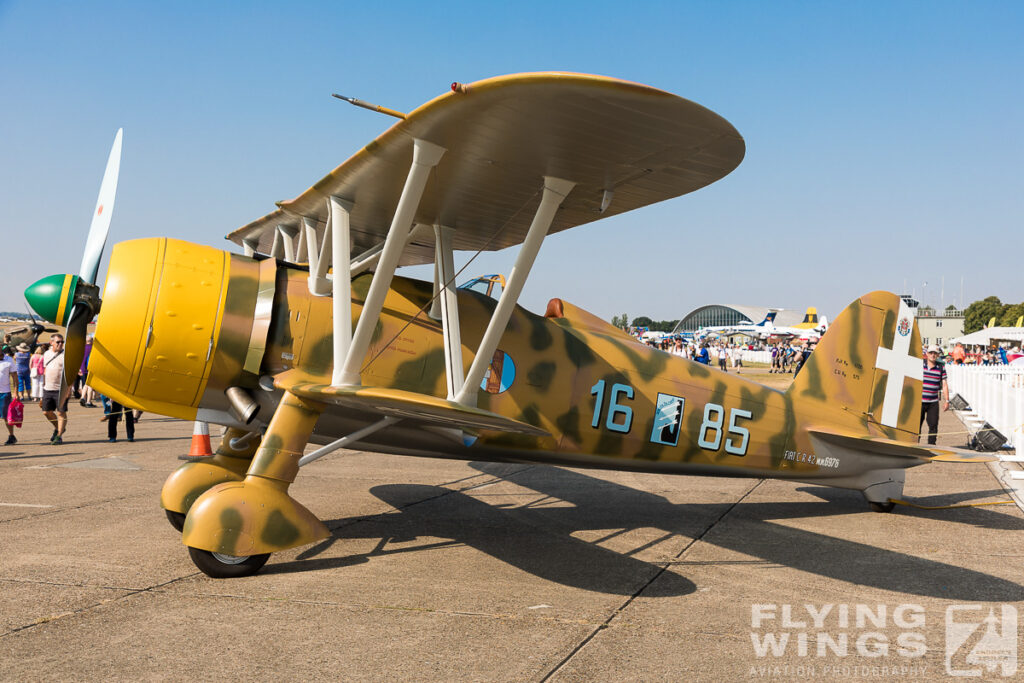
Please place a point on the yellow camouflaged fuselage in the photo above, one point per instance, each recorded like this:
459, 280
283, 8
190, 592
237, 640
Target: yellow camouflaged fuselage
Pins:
591, 395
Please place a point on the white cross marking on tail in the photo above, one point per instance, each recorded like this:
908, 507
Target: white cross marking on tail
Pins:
900, 365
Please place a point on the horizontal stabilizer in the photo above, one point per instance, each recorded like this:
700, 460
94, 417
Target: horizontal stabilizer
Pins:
882, 446
407, 405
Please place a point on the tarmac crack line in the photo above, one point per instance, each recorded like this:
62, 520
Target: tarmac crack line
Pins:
130, 593
664, 566
56, 511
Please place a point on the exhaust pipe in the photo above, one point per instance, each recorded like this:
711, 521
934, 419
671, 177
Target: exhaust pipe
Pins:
243, 406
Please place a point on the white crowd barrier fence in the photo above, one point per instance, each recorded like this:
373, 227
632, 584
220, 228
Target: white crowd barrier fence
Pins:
757, 357
996, 394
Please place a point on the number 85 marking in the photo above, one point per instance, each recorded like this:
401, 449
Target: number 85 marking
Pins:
714, 425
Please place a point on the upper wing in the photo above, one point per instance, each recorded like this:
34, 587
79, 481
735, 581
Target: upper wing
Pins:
502, 135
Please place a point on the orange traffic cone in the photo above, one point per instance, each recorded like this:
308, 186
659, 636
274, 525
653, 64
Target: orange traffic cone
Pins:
200, 442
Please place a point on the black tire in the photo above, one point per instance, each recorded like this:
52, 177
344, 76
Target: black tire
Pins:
176, 519
216, 568
882, 507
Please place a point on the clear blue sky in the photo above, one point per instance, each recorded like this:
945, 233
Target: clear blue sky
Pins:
884, 139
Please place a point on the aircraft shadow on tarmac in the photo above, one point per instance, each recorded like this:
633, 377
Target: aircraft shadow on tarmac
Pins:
537, 537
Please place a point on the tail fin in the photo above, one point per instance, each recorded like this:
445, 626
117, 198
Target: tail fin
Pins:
811, 317
768, 319
870, 364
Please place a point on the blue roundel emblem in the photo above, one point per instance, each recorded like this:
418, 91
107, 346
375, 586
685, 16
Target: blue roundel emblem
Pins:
904, 327
500, 373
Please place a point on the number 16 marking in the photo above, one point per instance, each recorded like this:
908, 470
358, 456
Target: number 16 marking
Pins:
614, 407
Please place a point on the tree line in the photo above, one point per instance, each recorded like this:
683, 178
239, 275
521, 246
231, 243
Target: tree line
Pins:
643, 321
977, 315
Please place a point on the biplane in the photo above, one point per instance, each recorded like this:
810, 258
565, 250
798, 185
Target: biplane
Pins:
28, 333
310, 337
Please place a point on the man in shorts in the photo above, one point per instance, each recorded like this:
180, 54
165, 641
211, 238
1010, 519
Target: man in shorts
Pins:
53, 374
8, 381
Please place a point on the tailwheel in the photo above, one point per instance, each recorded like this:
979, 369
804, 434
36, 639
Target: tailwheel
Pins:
176, 519
887, 506
218, 566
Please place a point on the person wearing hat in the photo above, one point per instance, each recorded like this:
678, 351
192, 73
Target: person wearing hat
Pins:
8, 380
933, 384
21, 357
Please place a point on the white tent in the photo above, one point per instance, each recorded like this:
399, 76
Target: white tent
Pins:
986, 336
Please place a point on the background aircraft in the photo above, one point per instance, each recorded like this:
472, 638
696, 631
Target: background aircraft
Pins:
813, 326
28, 334
761, 330
296, 342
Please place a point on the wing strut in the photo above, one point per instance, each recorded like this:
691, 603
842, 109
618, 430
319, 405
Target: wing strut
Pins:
338, 226
318, 261
555, 191
444, 275
425, 156
346, 440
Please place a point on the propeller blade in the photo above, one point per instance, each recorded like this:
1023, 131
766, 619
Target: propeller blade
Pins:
29, 309
97, 239
74, 343
19, 330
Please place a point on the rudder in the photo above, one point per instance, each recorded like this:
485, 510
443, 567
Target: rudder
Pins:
874, 338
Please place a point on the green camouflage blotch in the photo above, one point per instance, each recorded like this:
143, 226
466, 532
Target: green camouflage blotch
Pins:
541, 375
433, 368
878, 396
271, 442
889, 330
813, 386
890, 432
609, 443
856, 310
319, 360
648, 449
361, 286
652, 366
408, 375
378, 331
279, 532
907, 404
698, 370
569, 424
578, 351
231, 526
779, 442
530, 415
753, 401
190, 497
540, 333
